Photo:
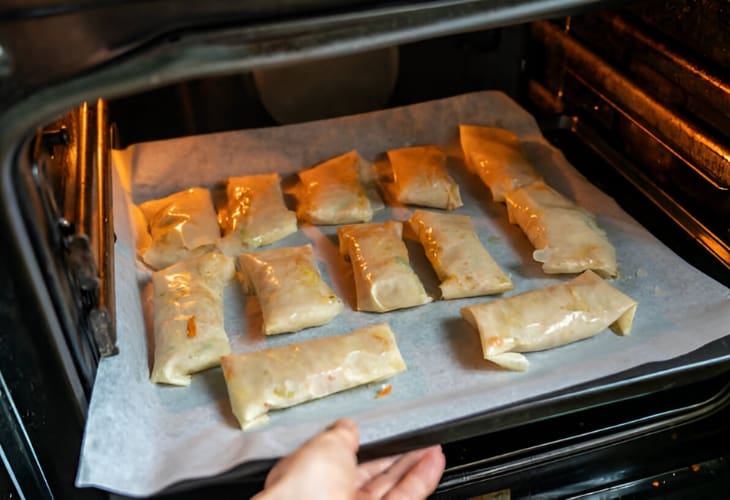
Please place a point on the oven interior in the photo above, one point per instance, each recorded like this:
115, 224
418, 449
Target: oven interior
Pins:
635, 98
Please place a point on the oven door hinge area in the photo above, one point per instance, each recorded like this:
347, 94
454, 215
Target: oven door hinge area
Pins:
71, 174
84, 271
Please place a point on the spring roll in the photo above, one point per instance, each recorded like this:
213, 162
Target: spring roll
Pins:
290, 289
566, 238
255, 214
332, 193
180, 226
384, 279
420, 178
461, 262
295, 373
549, 317
188, 311
494, 154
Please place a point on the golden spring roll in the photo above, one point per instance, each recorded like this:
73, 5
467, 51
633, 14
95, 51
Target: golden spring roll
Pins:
494, 154
461, 262
420, 178
549, 317
384, 279
290, 289
255, 214
295, 373
188, 312
332, 193
181, 225
566, 237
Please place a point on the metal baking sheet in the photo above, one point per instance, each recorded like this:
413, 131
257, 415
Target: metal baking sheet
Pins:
141, 438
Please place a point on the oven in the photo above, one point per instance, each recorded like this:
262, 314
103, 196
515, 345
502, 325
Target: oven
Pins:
634, 94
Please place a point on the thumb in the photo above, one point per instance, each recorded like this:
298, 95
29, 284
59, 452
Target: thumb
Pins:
344, 433
338, 443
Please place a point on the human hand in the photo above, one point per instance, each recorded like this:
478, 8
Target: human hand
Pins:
325, 467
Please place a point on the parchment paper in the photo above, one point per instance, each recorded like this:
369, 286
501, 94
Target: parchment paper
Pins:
141, 437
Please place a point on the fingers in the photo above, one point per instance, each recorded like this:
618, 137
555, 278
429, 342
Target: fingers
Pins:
422, 479
344, 431
334, 447
379, 485
413, 475
340, 438
326, 467
367, 471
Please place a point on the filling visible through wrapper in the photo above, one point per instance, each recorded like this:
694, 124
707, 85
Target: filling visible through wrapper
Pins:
461, 262
549, 317
290, 289
566, 237
384, 279
188, 307
292, 374
181, 225
332, 192
255, 214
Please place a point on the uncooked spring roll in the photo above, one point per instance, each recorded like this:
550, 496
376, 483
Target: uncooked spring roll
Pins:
290, 289
255, 214
288, 375
420, 178
549, 317
461, 262
332, 193
494, 154
188, 312
181, 225
384, 279
566, 237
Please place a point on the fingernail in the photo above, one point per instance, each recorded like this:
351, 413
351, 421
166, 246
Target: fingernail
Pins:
344, 423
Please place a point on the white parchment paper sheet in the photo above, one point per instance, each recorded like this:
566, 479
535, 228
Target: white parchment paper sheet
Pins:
141, 437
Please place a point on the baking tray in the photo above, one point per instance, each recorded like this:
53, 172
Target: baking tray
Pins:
141, 438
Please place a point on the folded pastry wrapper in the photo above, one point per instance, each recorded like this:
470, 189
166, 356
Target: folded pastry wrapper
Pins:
291, 374
188, 317
290, 289
140, 229
494, 154
550, 317
566, 237
332, 193
420, 178
461, 262
180, 225
384, 278
255, 213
